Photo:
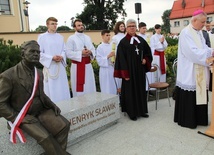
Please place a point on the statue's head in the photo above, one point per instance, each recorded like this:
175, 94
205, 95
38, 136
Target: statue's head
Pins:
30, 52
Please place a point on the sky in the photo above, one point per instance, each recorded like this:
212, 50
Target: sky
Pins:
63, 10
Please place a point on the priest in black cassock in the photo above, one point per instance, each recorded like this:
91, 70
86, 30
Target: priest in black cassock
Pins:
133, 60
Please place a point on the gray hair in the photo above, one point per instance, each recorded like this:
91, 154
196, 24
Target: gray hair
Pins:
131, 21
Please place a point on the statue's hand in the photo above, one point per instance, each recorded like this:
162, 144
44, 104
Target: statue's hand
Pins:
56, 110
29, 119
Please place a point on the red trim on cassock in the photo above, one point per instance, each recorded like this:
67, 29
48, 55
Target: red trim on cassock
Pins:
121, 74
162, 61
81, 73
148, 64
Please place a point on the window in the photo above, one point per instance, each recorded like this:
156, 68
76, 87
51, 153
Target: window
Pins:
176, 23
5, 7
209, 19
186, 22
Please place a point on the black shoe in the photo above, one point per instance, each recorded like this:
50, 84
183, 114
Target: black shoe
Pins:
133, 118
145, 115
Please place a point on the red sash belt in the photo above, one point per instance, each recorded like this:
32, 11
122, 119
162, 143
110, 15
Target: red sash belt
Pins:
162, 61
81, 73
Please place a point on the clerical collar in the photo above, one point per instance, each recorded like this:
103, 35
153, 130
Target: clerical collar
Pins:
128, 36
133, 39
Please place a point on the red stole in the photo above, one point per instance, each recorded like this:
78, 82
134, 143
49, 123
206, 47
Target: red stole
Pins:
81, 73
162, 61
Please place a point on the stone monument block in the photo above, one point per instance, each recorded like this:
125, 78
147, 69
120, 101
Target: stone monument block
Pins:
88, 114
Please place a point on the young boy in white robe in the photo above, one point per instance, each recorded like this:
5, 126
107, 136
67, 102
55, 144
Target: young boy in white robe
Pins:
104, 57
158, 45
53, 58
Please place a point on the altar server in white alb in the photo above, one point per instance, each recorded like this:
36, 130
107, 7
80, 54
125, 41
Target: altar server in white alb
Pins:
192, 82
142, 33
158, 44
53, 58
81, 51
104, 55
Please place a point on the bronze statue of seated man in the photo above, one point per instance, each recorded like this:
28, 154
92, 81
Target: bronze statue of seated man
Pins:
25, 106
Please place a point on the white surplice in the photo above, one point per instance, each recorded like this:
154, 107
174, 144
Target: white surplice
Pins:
144, 36
149, 75
116, 40
106, 78
56, 85
74, 46
188, 55
155, 44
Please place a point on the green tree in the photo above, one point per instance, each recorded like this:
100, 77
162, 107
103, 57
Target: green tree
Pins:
41, 29
166, 22
10, 54
102, 14
63, 28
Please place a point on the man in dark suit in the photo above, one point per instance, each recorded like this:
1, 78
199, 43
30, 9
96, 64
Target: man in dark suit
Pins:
206, 37
42, 120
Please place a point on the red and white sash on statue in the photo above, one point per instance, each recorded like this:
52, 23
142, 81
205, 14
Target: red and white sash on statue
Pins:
15, 125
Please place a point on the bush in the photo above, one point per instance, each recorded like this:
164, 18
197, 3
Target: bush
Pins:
96, 73
171, 55
10, 54
171, 41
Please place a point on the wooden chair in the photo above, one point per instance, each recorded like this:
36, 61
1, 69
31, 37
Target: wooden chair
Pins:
158, 86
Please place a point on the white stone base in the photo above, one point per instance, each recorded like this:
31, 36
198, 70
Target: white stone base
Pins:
88, 115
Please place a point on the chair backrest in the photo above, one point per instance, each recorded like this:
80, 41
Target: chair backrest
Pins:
156, 73
174, 66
